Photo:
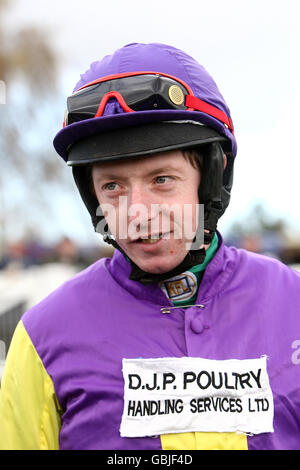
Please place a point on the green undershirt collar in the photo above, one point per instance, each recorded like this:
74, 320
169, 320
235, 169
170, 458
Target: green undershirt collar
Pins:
183, 288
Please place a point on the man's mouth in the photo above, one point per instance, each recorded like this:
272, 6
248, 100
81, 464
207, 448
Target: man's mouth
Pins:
148, 239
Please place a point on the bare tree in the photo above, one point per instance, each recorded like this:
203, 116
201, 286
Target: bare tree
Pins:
30, 171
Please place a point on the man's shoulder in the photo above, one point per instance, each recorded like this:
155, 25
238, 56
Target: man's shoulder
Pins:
95, 274
69, 296
262, 265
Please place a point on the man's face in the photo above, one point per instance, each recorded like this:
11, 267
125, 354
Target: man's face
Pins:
150, 205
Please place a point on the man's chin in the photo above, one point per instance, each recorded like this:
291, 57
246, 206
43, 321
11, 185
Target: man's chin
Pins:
156, 268
156, 262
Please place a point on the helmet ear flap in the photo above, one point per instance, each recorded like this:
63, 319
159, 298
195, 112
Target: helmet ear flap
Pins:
227, 180
83, 180
211, 191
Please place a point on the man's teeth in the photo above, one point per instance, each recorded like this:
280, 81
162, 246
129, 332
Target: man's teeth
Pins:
151, 239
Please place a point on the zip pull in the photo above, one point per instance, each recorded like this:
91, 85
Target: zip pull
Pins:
168, 309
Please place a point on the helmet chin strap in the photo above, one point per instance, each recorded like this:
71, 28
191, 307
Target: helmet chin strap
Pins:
211, 190
192, 258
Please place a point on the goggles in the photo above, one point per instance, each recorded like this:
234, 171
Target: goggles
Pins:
137, 91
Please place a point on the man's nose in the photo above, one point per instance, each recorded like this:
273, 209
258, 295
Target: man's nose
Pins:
138, 203
137, 195
139, 206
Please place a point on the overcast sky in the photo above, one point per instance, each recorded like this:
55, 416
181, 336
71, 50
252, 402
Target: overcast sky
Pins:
251, 48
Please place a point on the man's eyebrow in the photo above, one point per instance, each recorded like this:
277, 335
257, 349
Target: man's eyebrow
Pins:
108, 175
112, 176
163, 170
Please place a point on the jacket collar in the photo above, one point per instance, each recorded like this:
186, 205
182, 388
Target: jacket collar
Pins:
215, 278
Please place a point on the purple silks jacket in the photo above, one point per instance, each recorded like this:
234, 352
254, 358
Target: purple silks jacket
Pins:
86, 327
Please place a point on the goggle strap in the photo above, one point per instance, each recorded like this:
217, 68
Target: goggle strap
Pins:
199, 105
133, 74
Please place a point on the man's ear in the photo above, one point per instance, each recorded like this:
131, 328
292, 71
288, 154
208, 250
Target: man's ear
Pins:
225, 160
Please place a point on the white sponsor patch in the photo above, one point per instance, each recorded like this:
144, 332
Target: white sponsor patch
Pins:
174, 395
180, 287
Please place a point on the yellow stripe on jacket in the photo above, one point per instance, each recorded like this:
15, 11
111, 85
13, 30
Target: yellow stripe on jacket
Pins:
29, 411
204, 441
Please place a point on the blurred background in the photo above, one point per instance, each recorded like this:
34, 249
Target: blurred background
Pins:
251, 48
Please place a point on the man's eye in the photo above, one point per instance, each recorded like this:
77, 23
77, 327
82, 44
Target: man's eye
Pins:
110, 186
162, 179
